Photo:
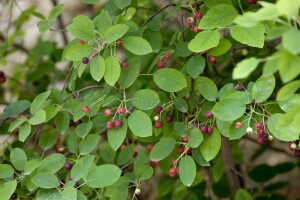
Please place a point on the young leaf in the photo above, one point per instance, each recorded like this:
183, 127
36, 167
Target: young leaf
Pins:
38, 117
210, 147
103, 176
170, 80
116, 136
18, 158
82, 28
103, 21
187, 169
43, 25
38, 102
242, 194
263, 88
112, 70
244, 68
137, 45
55, 12
204, 41
207, 88
162, 149
45, 180
15, 124
115, 32
145, 99
81, 167
97, 68
140, 124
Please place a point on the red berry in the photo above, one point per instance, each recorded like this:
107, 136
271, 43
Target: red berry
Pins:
190, 20
198, 15
120, 43
85, 60
107, 112
260, 140
2, 79
118, 123
203, 129
153, 164
122, 147
158, 109
124, 64
212, 59
158, 124
258, 125
172, 172
208, 115
181, 149
68, 166
77, 123
189, 152
169, 118
196, 29
166, 56
85, 109
121, 110
110, 124
149, 147
159, 64
260, 131
209, 130
297, 153
80, 42
1, 74
185, 139
251, 1
238, 124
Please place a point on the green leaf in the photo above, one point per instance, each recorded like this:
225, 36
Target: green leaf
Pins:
207, 88
16, 108
103, 176
181, 105
121, 4
262, 173
137, 45
143, 172
47, 140
83, 129
106, 152
88, 144
97, 68
170, 80
252, 36
103, 21
245, 68
116, 136
288, 90
15, 124
24, 132
263, 88
130, 74
162, 149
288, 7
242, 194
187, 169
45, 180
218, 16
30, 166
288, 66
69, 193
229, 109
195, 66
77, 52
52, 163
204, 41
43, 25
39, 101
55, 12
212, 3
290, 43
7, 189
82, 28
62, 121
195, 138
223, 46
72, 143
51, 111
81, 167
18, 158
154, 38
112, 70
210, 147
145, 99
38, 117
140, 124
6, 171
115, 32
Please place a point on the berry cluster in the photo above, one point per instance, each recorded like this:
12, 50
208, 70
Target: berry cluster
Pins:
190, 20
262, 136
2, 77
207, 129
160, 63
157, 122
116, 123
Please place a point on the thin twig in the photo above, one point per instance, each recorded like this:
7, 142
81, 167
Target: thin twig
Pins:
67, 79
61, 25
80, 90
155, 14
17, 46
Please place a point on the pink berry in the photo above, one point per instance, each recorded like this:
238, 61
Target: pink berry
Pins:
208, 115
121, 110
185, 139
190, 20
212, 59
260, 140
85, 109
260, 131
297, 153
149, 147
159, 64
107, 112
158, 124
80, 42
124, 64
118, 123
172, 172
110, 124
238, 124
166, 56
258, 125
196, 29
68, 166
174, 162
198, 15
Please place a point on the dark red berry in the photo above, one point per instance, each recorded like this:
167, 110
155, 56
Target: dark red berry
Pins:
14, 196
158, 109
135, 154
198, 15
120, 43
166, 56
110, 124
2, 79
181, 149
297, 153
68, 166
196, 29
209, 130
153, 164
212, 59
77, 123
203, 129
159, 64
85, 60
258, 125
121, 110
172, 172
169, 118
189, 152
185, 139
118, 123
85, 109
251, 1
260, 131
149, 147
158, 124
76, 185
208, 115
124, 64
265, 136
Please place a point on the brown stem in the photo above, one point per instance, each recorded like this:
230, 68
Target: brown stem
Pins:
67, 79
229, 165
61, 24
159, 11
